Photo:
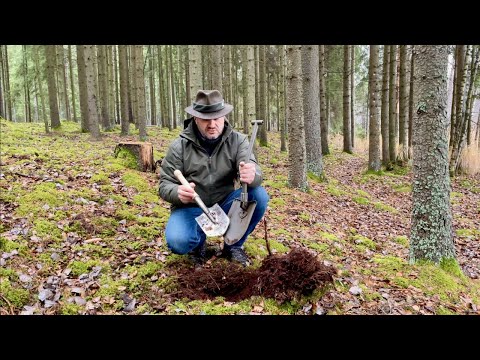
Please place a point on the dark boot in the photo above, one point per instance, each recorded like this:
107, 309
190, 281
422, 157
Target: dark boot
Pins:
237, 254
199, 255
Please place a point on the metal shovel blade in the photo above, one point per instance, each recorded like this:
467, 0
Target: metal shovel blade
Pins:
209, 228
239, 221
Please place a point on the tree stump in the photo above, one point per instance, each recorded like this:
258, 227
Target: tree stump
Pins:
142, 151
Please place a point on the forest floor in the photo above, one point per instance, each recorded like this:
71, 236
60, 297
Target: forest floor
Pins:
82, 233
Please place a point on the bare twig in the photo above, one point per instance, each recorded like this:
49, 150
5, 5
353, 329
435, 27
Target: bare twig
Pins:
12, 311
266, 236
24, 175
218, 287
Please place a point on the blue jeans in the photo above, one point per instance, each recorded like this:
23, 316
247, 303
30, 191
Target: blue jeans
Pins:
183, 234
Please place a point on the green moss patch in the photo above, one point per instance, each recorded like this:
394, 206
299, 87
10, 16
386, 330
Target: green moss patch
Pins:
127, 158
35, 201
17, 297
136, 181
445, 280
402, 240
84, 267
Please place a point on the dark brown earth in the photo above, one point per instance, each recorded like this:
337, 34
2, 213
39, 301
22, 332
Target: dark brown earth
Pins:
282, 277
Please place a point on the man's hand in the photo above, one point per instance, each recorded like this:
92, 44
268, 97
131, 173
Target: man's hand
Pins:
247, 172
186, 194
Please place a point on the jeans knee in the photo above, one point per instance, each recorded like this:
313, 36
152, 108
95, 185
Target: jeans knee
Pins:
178, 245
261, 196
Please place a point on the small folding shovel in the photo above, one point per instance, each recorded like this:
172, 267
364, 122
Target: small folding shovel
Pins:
213, 221
241, 211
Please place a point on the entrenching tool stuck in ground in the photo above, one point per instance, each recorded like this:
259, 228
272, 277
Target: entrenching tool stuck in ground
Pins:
213, 221
241, 211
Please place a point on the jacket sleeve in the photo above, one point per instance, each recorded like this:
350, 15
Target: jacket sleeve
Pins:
242, 156
168, 187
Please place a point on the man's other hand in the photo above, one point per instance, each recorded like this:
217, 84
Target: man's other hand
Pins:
247, 172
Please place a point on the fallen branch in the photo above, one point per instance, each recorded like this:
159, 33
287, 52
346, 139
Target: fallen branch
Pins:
24, 175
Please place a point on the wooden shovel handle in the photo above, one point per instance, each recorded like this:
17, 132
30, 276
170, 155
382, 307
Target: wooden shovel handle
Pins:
178, 174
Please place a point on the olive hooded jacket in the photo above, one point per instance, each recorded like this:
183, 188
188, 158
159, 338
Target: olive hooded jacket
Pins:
213, 174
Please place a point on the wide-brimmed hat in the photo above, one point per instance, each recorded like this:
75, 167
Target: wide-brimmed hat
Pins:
209, 104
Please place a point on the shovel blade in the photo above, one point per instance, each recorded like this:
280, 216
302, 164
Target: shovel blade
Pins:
211, 229
239, 221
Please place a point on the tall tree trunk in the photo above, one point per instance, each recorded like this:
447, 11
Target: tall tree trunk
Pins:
58, 83
82, 89
281, 94
454, 96
392, 118
251, 88
477, 134
277, 99
133, 95
216, 52
385, 107
140, 90
8, 93
151, 77
466, 108
347, 136
174, 95
65, 83
459, 108
431, 233
234, 100
168, 107
244, 50
410, 98
111, 84
2, 86
123, 64
183, 74
103, 86
256, 53
72, 84
195, 69
323, 103
267, 109
296, 131
36, 102
227, 81
311, 109
52, 87
26, 85
40, 87
263, 129
374, 162
131, 83
352, 96
207, 67
117, 91
161, 88
470, 96
92, 92
403, 103
188, 95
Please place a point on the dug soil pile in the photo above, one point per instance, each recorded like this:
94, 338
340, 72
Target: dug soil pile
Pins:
281, 277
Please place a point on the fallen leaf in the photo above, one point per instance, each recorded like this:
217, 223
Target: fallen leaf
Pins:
355, 290
257, 309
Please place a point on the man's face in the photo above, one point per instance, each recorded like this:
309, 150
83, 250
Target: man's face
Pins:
210, 129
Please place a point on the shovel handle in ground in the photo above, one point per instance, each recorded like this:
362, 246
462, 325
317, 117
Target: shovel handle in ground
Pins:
178, 174
244, 194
